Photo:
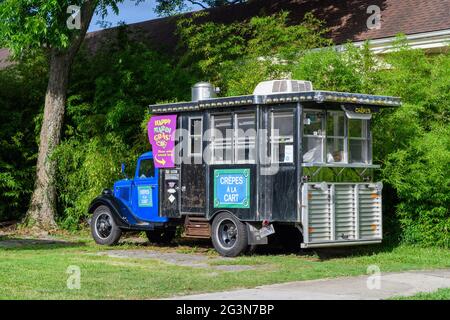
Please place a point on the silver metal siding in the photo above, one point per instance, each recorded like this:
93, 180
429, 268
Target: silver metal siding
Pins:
344, 212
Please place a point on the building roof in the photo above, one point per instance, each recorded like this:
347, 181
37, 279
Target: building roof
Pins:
347, 20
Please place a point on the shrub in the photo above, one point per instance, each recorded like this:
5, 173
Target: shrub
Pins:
411, 142
420, 174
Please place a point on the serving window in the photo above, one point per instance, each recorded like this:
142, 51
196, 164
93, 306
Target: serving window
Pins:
332, 137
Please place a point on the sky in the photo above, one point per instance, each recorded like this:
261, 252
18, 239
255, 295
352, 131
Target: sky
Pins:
128, 13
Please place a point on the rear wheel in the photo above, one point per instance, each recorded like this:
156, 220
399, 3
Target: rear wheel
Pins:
103, 228
229, 235
161, 236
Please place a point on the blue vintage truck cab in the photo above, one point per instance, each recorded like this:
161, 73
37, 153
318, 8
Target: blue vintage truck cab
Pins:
131, 205
312, 187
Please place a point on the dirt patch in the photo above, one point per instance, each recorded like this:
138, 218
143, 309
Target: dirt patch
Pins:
179, 259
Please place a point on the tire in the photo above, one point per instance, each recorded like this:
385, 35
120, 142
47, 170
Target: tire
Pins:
161, 236
103, 228
229, 235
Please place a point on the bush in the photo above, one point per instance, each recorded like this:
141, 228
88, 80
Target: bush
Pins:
22, 88
420, 174
85, 168
411, 142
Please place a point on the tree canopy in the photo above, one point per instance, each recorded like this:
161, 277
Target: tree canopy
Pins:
27, 25
170, 7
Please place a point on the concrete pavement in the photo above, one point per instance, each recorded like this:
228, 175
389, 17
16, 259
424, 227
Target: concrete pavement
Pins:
350, 288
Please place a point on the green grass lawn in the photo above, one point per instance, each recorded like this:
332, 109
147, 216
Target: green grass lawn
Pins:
441, 294
38, 270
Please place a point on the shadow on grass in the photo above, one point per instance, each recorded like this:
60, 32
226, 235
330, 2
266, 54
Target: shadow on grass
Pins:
186, 245
324, 254
13, 243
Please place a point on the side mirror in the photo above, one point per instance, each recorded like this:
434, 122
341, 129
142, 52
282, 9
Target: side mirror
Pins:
122, 170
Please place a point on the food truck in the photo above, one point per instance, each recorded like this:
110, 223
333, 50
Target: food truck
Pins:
287, 161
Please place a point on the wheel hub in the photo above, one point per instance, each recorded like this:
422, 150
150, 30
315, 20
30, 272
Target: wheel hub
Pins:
227, 232
103, 226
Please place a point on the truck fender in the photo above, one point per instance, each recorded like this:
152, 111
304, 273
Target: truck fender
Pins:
114, 205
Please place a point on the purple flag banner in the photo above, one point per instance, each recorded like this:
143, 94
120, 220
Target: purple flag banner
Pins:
161, 133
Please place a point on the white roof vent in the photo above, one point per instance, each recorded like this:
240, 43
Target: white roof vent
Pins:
282, 86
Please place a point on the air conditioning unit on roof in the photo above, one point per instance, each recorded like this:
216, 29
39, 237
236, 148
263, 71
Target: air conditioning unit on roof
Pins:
282, 86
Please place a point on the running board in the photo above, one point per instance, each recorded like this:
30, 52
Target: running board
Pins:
196, 227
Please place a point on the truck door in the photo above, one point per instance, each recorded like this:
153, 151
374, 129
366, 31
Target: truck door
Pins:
145, 191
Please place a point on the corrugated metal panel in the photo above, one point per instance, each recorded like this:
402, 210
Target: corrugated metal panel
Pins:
319, 227
345, 212
339, 212
369, 213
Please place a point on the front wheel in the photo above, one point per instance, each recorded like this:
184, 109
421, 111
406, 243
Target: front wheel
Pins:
229, 235
103, 228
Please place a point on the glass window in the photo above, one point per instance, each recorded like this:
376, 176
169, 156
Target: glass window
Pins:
358, 141
195, 136
335, 124
313, 136
282, 136
356, 128
336, 137
146, 169
335, 150
347, 140
245, 138
222, 138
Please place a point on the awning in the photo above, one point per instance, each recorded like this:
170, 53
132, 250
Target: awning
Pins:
358, 113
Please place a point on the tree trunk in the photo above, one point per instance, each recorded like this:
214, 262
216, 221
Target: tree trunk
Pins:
42, 210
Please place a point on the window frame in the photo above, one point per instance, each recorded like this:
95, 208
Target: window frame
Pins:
324, 138
234, 138
235, 142
272, 112
213, 138
367, 138
344, 138
138, 171
193, 136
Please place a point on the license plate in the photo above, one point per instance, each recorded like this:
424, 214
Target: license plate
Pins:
266, 231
